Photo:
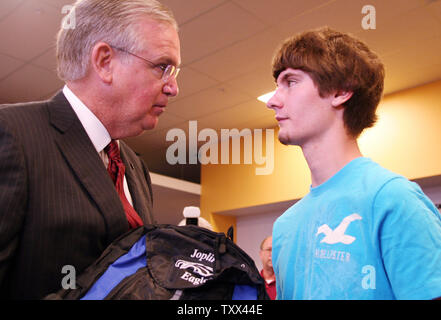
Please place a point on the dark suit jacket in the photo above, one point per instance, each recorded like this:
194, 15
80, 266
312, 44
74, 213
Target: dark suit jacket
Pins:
58, 205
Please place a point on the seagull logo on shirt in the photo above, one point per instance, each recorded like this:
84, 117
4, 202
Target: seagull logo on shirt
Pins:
338, 234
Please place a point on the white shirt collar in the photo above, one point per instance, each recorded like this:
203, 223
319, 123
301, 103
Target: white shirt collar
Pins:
94, 128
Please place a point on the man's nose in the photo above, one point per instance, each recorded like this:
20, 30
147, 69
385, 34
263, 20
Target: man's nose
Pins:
275, 101
171, 87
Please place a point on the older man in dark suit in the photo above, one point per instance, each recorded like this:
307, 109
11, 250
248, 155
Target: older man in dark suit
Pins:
59, 206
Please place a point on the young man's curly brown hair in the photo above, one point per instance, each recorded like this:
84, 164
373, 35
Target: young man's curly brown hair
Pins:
337, 61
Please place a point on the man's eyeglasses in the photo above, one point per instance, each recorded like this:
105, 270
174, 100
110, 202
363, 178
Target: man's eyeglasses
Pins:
168, 70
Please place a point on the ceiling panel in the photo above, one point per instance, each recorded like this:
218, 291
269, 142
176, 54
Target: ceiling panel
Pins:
264, 122
257, 82
58, 4
156, 139
239, 58
191, 81
415, 26
236, 115
24, 85
392, 8
185, 11
207, 102
420, 53
8, 65
46, 60
8, 6
435, 9
147, 142
215, 30
30, 30
166, 120
275, 11
343, 15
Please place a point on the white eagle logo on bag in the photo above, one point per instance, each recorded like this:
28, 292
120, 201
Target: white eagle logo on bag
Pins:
199, 268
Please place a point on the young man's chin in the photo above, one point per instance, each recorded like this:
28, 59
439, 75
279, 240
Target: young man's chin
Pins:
284, 139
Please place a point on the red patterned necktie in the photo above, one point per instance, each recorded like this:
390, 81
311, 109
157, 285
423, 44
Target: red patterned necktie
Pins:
116, 171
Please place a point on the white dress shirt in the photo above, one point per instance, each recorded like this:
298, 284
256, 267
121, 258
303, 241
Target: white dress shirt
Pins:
96, 131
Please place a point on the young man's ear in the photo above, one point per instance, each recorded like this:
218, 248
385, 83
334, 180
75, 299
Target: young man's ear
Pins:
340, 97
101, 61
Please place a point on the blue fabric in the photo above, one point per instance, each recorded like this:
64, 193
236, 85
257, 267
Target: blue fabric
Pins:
244, 292
125, 266
366, 233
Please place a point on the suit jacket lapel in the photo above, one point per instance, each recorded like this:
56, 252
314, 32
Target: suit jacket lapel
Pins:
85, 162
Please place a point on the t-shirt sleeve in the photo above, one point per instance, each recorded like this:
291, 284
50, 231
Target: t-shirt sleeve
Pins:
409, 231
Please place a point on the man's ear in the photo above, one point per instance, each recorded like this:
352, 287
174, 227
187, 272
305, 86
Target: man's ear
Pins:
101, 61
340, 97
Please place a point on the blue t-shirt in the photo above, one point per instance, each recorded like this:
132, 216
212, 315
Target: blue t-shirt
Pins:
366, 233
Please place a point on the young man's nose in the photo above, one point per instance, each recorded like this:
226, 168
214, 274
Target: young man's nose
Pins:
275, 101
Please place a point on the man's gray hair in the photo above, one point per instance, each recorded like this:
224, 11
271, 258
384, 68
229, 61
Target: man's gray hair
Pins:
112, 21
263, 241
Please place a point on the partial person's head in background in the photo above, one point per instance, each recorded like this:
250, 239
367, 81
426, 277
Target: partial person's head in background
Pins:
265, 253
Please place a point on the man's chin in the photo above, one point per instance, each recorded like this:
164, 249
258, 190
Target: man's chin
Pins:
150, 123
284, 139
288, 140
141, 129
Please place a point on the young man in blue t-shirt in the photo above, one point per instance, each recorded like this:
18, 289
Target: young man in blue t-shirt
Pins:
362, 232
